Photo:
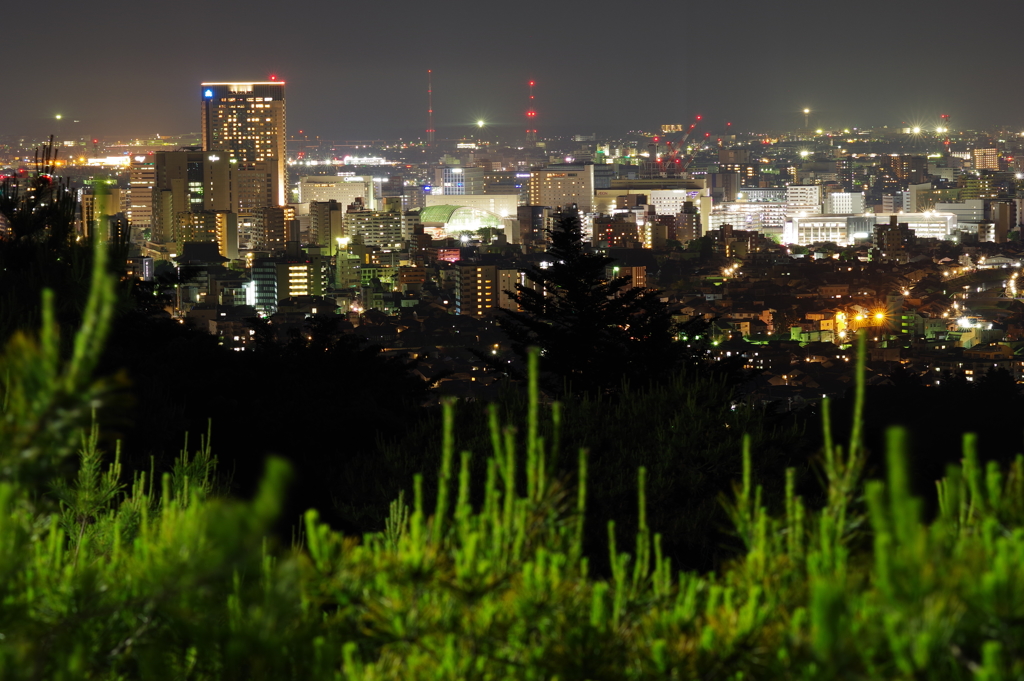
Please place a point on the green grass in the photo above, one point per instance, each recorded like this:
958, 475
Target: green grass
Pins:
161, 578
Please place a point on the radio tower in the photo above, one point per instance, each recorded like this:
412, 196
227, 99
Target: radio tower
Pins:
430, 108
531, 133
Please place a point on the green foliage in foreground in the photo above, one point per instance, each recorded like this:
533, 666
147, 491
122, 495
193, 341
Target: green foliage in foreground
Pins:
167, 581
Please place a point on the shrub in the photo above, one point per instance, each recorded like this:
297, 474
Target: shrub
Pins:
163, 579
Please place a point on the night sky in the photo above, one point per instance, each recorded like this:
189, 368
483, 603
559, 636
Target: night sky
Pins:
357, 70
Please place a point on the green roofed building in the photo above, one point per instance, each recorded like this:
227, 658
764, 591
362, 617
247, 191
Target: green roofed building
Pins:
456, 219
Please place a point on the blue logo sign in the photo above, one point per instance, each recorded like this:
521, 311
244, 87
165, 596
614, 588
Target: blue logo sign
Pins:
208, 94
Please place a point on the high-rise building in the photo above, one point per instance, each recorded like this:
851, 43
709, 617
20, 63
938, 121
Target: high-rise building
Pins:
894, 239
458, 180
615, 231
264, 277
246, 121
978, 187
892, 203
687, 223
478, 288
733, 156
344, 190
98, 205
725, 186
844, 203
389, 228
208, 226
985, 158
274, 227
804, 195
533, 220
748, 172
326, 223
302, 275
188, 180
908, 169
562, 185
141, 180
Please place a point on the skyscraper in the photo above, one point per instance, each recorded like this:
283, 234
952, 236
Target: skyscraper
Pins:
141, 180
247, 122
187, 181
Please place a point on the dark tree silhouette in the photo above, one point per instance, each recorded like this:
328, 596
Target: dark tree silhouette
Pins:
41, 207
38, 248
594, 332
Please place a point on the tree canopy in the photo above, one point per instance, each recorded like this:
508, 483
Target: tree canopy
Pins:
594, 331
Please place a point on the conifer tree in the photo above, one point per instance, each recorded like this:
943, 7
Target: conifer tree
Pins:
594, 332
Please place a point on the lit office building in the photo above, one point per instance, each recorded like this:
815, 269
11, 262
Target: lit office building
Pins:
848, 203
804, 195
187, 181
246, 122
846, 229
274, 227
985, 159
763, 217
141, 180
327, 223
388, 229
671, 201
204, 226
458, 180
307, 275
345, 190
481, 289
562, 185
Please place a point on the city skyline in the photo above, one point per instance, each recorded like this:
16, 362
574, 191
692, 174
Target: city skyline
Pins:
595, 71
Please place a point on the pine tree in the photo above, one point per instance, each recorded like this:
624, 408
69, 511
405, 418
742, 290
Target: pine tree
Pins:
594, 332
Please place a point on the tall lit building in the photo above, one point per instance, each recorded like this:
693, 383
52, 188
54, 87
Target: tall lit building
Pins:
303, 275
326, 223
274, 227
458, 180
187, 181
246, 121
985, 159
141, 180
220, 227
390, 228
481, 289
563, 184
